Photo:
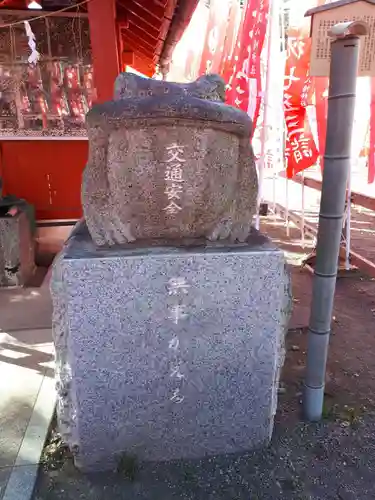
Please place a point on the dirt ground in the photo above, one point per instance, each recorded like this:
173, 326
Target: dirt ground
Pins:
334, 459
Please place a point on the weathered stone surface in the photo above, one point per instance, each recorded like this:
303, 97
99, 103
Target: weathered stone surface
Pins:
130, 86
17, 250
168, 161
165, 352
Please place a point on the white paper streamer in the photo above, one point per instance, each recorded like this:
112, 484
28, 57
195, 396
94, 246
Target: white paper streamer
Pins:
34, 56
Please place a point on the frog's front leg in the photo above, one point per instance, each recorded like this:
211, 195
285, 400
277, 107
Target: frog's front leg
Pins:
97, 200
247, 194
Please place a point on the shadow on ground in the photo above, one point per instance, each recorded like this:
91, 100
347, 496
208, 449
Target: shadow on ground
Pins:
29, 350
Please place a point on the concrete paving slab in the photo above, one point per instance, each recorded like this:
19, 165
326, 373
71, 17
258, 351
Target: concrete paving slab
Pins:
25, 308
19, 388
21, 483
19, 480
26, 358
4, 478
27, 387
36, 432
30, 349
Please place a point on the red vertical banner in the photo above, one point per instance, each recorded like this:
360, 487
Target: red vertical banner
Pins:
244, 86
230, 38
215, 37
371, 156
256, 47
238, 88
321, 106
301, 151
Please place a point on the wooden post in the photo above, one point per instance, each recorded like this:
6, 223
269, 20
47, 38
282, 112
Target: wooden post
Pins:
103, 33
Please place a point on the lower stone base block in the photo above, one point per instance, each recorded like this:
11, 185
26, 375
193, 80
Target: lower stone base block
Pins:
168, 353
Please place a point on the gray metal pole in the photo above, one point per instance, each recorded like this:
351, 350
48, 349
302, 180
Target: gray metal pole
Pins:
341, 102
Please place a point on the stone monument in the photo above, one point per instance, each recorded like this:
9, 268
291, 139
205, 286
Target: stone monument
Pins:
17, 244
169, 310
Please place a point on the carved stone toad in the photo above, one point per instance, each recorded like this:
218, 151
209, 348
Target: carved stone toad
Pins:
168, 161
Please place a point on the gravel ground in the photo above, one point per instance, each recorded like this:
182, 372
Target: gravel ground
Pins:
334, 459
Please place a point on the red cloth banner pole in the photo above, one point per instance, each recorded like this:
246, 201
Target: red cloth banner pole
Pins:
300, 150
215, 37
321, 106
371, 157
230, 38
244, 86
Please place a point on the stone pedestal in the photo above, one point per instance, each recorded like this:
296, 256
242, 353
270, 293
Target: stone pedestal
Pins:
168, 353
17, 250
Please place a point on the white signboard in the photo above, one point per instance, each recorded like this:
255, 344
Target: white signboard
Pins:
321, 42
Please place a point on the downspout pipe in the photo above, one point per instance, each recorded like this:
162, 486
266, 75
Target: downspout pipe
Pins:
180, 20
337, 160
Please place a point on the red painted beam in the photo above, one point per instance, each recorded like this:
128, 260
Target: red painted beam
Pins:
155, 10
136, 41
363, 201
136, 10
143, 25
102, 20
128, 58
170, 8
159, 48
362, 263
136, 47
357, 198
141, 66
356, 259
138, 32
140, 63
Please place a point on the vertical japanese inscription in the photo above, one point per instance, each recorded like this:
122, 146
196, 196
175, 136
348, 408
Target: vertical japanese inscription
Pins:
174, 178
322, 42
177, 290
300, 146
